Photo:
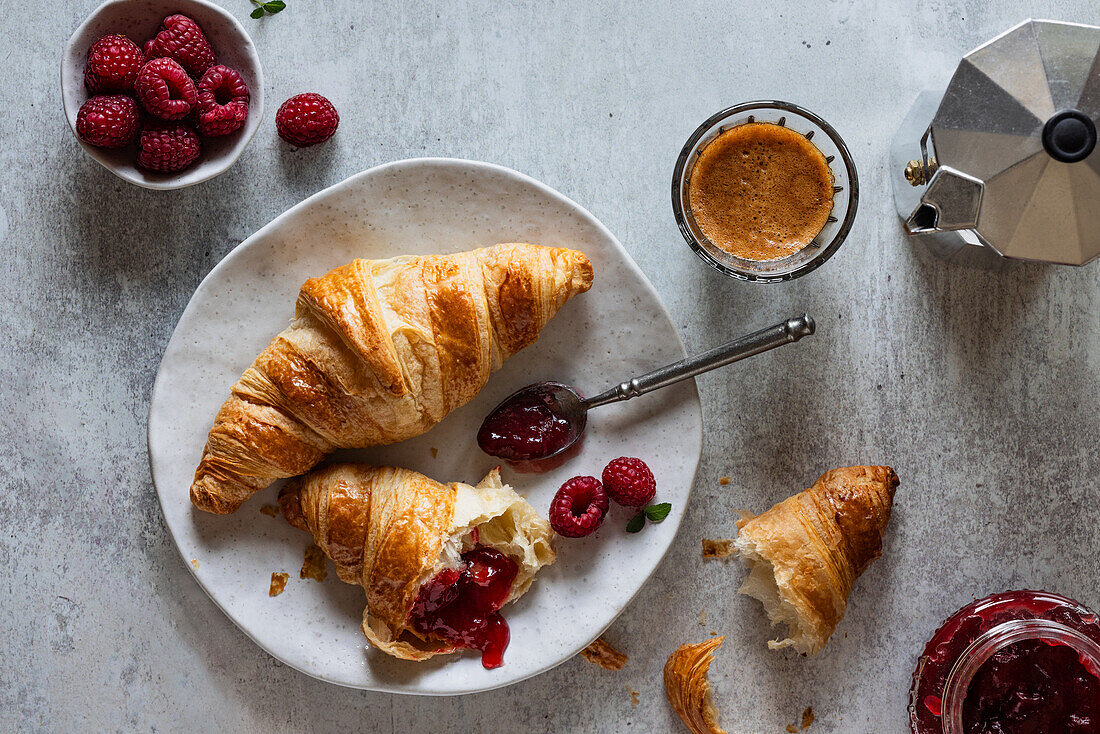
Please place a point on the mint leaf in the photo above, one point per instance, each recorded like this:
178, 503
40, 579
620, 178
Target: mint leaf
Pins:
636, 523
656, 513
270, 7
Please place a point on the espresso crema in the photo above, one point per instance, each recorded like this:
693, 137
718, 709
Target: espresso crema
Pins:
761, 191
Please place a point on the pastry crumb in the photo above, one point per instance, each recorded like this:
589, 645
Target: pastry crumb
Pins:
717, 548
269, 510
807, 719
724, 481
313, 566
634, 697
195, 563
435, 452
603, 655
713, 632
703, 617
278, 583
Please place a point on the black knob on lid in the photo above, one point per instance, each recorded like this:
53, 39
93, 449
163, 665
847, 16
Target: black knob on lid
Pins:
1069, 136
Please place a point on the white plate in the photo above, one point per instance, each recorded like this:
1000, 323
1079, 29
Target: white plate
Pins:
617, 329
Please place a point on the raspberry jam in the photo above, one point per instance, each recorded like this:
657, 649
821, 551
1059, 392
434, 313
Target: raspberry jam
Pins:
459, 605
529, 425
1019, 662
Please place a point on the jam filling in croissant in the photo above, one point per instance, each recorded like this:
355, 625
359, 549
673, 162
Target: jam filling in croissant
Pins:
460, 605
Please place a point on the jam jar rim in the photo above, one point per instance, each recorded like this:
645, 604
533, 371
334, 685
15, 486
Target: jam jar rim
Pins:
1038, 627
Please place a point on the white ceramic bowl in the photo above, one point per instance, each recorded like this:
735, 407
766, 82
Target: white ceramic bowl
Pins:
139, 19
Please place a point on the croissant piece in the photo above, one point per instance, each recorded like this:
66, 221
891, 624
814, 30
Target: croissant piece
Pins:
380, 351
805, 553
688, 687
392, 530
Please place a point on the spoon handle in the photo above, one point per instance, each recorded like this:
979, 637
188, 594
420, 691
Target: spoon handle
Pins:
787, 332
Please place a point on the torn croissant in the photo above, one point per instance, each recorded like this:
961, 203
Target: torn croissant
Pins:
688, 688
418, 548
805, 553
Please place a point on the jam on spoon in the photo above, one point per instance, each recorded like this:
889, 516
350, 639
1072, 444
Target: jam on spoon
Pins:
531, 424
460, 605
545, 419
1012, 663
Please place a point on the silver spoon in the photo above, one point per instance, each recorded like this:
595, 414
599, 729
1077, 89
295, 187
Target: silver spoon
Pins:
546, 418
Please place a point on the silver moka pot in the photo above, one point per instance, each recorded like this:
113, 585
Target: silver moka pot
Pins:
1009, 162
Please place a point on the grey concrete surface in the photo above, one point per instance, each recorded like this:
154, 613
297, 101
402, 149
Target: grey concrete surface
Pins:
979, 387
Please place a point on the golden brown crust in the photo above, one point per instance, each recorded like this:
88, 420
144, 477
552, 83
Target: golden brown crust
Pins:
249, 444
603, 655
278, 583
817, 543
688, 688
313, 564
346, 302
382, 527
380, 351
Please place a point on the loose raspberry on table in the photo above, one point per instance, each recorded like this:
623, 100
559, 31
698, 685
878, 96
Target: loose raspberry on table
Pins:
306, 119
168, 147
165, 90
223, 101
629, 482
113, 64
180, 38
108, 121
578, 507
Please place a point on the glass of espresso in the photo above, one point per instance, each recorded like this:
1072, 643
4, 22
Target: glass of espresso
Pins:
765, 191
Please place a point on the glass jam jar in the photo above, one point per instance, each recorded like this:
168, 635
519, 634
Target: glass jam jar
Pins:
1015, 662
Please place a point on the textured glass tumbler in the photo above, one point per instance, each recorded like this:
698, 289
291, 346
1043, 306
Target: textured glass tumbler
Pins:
845, 191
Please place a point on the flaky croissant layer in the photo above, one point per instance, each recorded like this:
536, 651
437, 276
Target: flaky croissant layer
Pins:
380, 351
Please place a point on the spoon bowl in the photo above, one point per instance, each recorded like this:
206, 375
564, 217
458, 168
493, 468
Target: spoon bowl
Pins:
534, 423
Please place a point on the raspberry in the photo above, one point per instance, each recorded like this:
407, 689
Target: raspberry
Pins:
108, 121
629, 482
165, 90
168, 147
180, 38
223, 102
113, 64
578, 507
306, 119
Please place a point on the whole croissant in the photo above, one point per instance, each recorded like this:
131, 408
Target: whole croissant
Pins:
380, 351
805, 553
390, 530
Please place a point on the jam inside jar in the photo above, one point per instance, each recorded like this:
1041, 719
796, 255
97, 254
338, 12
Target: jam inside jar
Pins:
1013, 663
460, 605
